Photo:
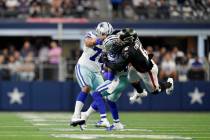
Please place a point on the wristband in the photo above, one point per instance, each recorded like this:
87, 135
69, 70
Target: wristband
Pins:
99, 41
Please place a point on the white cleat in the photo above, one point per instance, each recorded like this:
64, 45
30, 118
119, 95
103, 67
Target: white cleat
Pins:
117, 126
103, 123
170, 90
76, 120
137, 95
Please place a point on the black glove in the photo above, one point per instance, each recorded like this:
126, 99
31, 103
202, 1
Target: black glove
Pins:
128, 36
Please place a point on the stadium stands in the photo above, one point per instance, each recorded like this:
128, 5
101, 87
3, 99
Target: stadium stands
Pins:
126, 9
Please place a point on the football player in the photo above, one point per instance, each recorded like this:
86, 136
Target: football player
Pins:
112, 88
88, 69
142, 66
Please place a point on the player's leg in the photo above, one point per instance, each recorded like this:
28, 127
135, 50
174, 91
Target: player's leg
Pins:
150, 80
135, 80
112, 99
84, 79
98, 98
93, 107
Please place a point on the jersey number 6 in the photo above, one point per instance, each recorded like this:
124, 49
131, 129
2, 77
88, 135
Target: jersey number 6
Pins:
98, 51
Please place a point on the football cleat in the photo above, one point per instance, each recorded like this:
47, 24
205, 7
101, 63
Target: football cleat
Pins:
170, 89
77, 121
103, 123
84, 117
137, 95
117, 126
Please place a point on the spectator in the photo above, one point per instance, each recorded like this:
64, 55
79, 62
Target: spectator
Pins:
140, 9
174, 12
54, 53
2, 8
11, 6
116, 8
27, 70
152, 9
5, 52
163, 10
92, 9
26, 49
162, 53
183, 69
197, 71
43, 54
35, 9
4, 73
129, 12
56, 9
177, 55
17, 56
13, 67
168, 67
23, 8
187, 10
70, 8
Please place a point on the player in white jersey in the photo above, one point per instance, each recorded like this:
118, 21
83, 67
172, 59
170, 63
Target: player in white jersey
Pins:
88, 67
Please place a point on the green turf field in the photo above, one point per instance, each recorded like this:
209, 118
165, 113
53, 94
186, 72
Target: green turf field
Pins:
152, 125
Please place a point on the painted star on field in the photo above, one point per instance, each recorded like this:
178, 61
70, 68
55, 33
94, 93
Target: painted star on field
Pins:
196, 96
138, 101
15, 96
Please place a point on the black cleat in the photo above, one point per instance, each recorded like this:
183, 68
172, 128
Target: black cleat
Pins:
79, 122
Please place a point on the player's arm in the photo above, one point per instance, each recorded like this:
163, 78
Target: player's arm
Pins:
90, 41
116, 66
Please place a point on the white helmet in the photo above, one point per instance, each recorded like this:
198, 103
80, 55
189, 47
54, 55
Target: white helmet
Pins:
104, 28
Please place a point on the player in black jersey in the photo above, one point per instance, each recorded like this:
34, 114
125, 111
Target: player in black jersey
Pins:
130, 51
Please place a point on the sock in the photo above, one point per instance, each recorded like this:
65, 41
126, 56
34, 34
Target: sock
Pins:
90, 111
138, 87
114, 111
79, 103
100, 104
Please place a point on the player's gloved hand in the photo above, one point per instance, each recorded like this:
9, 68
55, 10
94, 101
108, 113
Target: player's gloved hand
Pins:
137, 95
128, 36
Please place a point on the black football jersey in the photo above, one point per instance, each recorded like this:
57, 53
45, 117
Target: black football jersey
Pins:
137, 56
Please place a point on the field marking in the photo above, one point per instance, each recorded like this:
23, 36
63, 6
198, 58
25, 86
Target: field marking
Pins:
88, 129
7, 126
49, 124
119, 136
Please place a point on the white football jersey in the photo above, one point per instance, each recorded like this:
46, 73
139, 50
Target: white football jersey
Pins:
90, 56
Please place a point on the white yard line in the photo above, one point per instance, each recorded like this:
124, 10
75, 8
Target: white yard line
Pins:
120, 136
89, 129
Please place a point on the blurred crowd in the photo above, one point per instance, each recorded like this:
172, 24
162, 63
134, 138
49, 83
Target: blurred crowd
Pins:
48, 8
179, 65
24, 63
162, 9
126, 9
16, 65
